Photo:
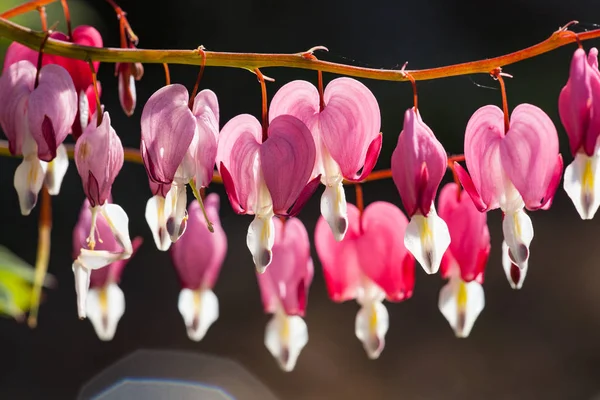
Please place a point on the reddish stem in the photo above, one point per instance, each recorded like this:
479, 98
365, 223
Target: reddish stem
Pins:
451, 161
43, 17
497, 74
360, 203
265, 112
39, 60
122, 16
414, 86
199, 78
25, 7
320, 83
65, 8
167, 74
98, 105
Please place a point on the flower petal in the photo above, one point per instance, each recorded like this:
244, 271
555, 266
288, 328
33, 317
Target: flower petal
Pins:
334, 209
260, 239
484, 133
119, 225
16, 85
206, 111
157, 210
239, 142
52, 109
371, 326
461, 303
285, 337
28, 181
105, 306
297, 98
305, 195
56, 171
349, 123
199, 309
82, 284
289, 155
514, 274
177, 220
381, 252
427, 238
582, 184
528, 153
518, 233
168, 128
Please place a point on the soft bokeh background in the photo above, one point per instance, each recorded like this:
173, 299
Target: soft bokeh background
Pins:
537, 343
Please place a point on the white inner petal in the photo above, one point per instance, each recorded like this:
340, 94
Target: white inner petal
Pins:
427, 238
334, 209
514, 274
518, 234
57, 169
177, 221
582, 184
199, 309
28, 181
157, 210
285, 337
82, 284
371, 326
105, 306
461, 303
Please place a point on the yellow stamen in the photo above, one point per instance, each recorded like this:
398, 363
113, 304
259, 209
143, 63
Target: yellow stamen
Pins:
517, 225
426, 233
104, 300
285, 329
373, 319
587, 180
461, 297
197, 299
32, 176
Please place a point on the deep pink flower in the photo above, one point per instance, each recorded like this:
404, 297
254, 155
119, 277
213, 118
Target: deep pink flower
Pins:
100, 239
418, 166
346, 132
198, 257
36, 120
284, 291
511, 170
579, 110
266, 179
370, 264
127, 74
178, 145
462, 299
99, 158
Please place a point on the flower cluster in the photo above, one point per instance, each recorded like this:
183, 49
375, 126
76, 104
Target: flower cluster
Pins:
271, 168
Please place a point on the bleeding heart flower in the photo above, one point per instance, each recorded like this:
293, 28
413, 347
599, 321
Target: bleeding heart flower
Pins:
100, 238
284, 291
36, 120
345, 128
418, 166
266, 179
127, 74
178, 145
79, 70
514, 274
105, 303
511, 170
198, 257
462, 299
579, 110
370, 264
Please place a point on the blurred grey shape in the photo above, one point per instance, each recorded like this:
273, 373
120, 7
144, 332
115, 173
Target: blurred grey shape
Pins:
160, 374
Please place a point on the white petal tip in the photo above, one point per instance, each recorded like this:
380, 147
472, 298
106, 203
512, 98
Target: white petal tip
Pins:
285, 337
427, 239
199, 309
461, 303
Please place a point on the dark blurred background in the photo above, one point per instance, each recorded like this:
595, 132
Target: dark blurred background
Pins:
537, 343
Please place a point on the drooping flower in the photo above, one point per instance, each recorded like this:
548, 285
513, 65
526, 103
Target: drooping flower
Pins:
512, 170
79, 70
178, 145
418, 166
36, 118
100, 238
266, 179
345, 126
514, 274
579, 110
284, 291
370, 264
198, 257
105, 303
127, 74
462, 299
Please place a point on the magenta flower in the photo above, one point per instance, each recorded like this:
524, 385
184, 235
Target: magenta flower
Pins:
79, 70
579, 110
266, 179
36, 120
346, 134
178, 145
198, 257
99, 158
108, 224
284, 291
462, 299
418, 166
370, 264
105, 303
511, 170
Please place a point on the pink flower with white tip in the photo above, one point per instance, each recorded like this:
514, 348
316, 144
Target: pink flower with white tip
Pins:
36, 117
512, 165
178, 145
284, 291
370, 264
99, 158
579, 110
462, 299
418, 166
266, 179
198, 257
345, 125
